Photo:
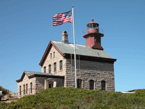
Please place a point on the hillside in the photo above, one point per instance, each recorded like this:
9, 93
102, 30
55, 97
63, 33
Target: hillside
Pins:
70, 98
7, 94
4, 91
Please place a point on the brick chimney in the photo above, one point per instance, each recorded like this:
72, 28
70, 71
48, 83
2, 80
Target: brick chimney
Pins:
64, 37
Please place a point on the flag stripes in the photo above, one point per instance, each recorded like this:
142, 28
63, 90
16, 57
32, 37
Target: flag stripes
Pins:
62, 18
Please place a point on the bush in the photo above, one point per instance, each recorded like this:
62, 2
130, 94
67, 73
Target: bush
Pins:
71, 98
4, 91
9, 95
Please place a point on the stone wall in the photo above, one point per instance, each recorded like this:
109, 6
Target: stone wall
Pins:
38, 84
25, 81
90, 70
59, 81
51, 60
42, 82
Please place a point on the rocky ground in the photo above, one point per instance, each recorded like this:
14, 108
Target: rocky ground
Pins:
8, 99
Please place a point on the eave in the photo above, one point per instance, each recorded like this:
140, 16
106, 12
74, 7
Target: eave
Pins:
47, 52
91, 58
19, 80
38, 75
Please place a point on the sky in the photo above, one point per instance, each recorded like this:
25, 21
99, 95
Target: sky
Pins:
26, 29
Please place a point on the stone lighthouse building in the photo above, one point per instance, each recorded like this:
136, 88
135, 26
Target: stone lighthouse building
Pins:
95, 68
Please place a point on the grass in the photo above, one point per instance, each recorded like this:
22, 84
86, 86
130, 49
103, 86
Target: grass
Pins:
71, 98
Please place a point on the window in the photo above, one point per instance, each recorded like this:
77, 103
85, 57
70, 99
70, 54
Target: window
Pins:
53, 54
50, 84
30, 87
44, 69
103, 85
79, 82
26, 88
50, 55
94, 25
91, 25
55, 67
91, 84
20, 90
61, 65
49, 68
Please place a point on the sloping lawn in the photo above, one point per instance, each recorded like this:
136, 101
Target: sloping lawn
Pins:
71, 98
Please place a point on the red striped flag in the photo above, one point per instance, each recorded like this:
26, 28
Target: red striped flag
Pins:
62, 18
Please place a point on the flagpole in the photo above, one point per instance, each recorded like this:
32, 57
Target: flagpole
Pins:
74, 46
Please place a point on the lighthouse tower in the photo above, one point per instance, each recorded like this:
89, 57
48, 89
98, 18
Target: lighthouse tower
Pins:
93, 36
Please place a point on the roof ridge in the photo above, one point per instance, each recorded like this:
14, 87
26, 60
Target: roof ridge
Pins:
32, 72
67, 43
81, 50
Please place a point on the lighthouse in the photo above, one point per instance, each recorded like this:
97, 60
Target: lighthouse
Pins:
93, 36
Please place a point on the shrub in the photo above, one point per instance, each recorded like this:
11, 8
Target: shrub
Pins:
4, 91
9, 95
71, 98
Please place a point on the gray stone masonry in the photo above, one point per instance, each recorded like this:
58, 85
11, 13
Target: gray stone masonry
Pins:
26, 80
51, 60
42, 82
89, 70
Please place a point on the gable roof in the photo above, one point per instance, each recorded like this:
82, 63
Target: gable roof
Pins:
68, 48
32, 74
80, 50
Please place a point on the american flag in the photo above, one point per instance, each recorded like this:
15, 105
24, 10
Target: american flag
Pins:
62, 18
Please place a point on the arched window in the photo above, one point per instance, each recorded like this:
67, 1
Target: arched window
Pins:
30, 87
61, 65
26, 88
45, 69
79, 82
23, 89
91, 84
50, 55
53, 54
55, 67
20, 90
103, 84
50, 68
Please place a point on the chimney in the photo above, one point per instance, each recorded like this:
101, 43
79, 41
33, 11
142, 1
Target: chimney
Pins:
64, 37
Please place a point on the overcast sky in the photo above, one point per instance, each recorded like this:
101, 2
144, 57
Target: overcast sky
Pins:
26, 29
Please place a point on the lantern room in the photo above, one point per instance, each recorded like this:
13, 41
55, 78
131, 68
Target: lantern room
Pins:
93, 36
92, 27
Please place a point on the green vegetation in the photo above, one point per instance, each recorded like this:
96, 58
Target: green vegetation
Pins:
9, 95
4, 91
71, 98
